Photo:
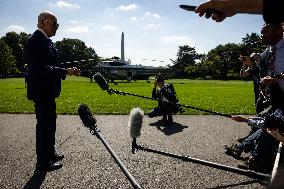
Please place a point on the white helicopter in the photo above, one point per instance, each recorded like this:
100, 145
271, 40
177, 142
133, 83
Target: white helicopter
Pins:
119, 69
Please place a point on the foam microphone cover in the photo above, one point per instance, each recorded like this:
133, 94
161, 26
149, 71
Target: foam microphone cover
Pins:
101, 81
135, 122
86, 116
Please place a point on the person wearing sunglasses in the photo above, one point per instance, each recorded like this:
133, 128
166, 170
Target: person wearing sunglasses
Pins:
44, 86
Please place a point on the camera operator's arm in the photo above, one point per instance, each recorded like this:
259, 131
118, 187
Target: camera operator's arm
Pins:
73, 71
228, 8
245, 72
240, 118
276, 134
247, 66
252, 121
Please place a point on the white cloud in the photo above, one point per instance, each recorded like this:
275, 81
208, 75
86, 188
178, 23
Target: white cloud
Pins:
78, 29
133, 18
107, 45
130, 7
64, 4
153, 26
73, 22
177, 40
15, 28
155, 15
110, 27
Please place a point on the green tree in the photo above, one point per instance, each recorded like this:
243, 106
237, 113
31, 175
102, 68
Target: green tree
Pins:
7, 60
186, 57
225, 59
252, 43
16, 43
78, 54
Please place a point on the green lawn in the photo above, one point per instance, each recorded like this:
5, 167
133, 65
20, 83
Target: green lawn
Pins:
231, 97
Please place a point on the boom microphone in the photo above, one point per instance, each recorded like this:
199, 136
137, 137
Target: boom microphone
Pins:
135, 124
104, 86
86, 116
89, 121
101, 81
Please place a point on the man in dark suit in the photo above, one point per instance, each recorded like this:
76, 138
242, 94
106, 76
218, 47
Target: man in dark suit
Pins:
44, 86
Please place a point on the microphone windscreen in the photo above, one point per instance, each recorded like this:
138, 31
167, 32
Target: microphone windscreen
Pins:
135, 122
86, 116
101, 81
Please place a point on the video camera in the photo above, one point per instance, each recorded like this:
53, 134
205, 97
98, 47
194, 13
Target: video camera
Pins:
275, 120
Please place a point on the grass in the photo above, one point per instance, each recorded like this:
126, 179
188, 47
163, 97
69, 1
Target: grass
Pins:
230, 97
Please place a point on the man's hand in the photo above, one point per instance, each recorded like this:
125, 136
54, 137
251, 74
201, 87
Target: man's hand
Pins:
276, 134
268, 81
240, 118
223, 9
228, 8
73, 71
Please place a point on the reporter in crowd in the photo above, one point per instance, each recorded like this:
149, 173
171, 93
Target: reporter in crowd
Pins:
260, 144
251, 67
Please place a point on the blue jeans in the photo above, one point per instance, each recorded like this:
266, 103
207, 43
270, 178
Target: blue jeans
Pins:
248, 144
260, 144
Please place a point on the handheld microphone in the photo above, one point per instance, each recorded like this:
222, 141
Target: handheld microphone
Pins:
101, 81
86, 116
135, 124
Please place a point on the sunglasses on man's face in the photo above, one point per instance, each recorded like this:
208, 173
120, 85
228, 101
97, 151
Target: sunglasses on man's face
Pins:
53, 23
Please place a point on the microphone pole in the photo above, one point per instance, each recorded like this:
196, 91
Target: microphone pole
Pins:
111, 91
104, 86
90, 122
249, 173
135, 125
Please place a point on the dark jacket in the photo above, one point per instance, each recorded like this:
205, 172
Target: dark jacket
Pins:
167, 100
43, 65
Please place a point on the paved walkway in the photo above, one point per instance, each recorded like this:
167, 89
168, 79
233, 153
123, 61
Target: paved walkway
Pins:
87, 163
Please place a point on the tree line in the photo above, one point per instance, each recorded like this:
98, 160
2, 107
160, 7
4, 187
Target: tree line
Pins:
71, 52
222, 62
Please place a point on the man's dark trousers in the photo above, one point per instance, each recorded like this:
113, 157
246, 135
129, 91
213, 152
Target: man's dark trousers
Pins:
45, 109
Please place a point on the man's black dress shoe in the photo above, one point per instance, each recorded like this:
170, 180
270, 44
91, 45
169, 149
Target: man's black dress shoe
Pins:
50, 166
56, 157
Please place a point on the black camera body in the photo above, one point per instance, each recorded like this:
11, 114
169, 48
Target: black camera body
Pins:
275, 120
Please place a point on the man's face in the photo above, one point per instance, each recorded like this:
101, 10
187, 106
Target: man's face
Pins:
271, 34
50, 25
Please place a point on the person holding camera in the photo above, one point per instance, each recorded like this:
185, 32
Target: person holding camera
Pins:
167, 101
260, 144
251, 67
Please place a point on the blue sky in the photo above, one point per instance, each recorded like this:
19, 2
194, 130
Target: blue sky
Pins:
153, 28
